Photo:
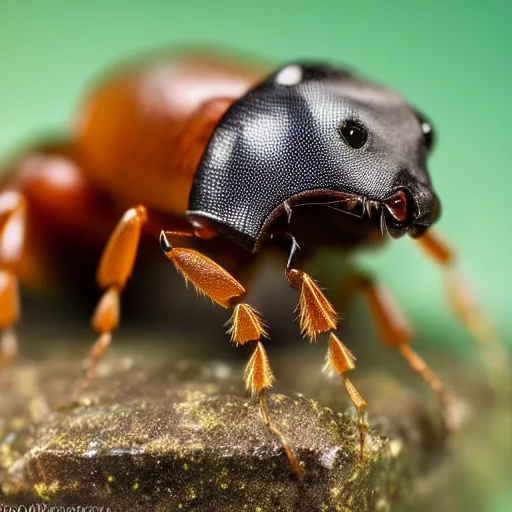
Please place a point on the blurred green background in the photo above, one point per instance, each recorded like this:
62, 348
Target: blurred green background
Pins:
451, 59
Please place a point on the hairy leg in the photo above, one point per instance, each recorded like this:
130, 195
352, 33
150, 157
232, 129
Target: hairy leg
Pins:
245, 325
317, 316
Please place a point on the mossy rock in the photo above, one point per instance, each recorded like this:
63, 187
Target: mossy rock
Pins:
186, 438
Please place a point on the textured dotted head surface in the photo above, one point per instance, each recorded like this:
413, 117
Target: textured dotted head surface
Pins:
282, 139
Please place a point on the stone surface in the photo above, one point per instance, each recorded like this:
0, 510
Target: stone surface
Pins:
185, 437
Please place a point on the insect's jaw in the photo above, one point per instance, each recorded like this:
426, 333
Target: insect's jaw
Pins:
391, 215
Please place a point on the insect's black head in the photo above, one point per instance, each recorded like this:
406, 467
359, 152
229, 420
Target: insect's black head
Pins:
308, 131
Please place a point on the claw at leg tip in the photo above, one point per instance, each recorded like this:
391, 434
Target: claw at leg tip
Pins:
164, 243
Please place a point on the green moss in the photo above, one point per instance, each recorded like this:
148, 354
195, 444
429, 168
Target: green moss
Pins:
209, 418
46, 491
207, 447
335, 492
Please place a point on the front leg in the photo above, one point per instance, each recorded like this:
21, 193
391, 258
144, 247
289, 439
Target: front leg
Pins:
212, 281
317, 316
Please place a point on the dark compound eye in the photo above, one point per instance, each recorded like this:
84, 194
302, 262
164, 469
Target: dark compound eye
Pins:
355, 134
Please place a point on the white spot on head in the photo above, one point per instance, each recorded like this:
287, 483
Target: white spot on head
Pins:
290, 75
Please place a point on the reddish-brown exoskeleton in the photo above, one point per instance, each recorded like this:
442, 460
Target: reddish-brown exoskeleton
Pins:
189, 144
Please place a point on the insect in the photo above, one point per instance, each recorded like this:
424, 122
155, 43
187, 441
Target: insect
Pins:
200, 147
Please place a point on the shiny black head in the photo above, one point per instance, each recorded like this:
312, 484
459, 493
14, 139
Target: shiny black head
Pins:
307, 131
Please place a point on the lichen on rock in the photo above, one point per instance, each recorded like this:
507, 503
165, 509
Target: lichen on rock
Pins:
165, 440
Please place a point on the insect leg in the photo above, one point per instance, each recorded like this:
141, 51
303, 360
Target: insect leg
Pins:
316, 316
245, 325
13, 223
114, 269
464, 307
395, 332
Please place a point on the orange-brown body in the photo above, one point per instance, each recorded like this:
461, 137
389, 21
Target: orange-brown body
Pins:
141, 135
138, 140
